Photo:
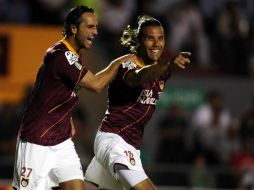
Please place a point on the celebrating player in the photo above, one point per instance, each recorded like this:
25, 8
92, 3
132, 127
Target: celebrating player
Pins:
45, 154
132, 97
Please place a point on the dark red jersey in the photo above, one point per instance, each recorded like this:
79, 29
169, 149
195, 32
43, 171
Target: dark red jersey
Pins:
130, 108
46, 120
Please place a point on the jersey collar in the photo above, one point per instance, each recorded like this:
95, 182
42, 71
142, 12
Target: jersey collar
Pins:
69, 46
139, 62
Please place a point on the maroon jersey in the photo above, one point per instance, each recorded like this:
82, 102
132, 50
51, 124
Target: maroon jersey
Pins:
130, 108
46, 120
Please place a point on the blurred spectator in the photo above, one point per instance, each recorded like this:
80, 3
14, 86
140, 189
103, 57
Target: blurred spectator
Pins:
210, 10
247, 7
247, 121
48, 11
251, 67
209, 127
9, 123
231, 143
200, 176
187, 33
88, 3
14, 11
10, 117
8, 134
160, 7
247, 181
171, 148
115, 15
82, 138
231, 45
243, 162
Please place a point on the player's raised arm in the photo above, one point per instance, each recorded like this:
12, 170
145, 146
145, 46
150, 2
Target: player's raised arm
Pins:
145, 74
150, 73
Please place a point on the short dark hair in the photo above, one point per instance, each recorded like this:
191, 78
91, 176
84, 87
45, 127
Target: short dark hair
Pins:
73, 17
131, 36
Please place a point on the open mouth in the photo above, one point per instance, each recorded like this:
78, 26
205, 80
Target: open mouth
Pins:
155, 51
90, 40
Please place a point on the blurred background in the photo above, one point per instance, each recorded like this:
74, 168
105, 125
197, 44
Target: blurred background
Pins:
202, 133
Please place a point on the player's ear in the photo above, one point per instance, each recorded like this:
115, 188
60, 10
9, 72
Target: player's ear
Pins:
73, 29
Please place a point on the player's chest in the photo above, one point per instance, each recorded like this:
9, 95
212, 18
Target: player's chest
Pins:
151, 92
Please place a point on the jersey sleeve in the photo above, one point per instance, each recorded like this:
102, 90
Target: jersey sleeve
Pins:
68, 65
125, 68
165, 76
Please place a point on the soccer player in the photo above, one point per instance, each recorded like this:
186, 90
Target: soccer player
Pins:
45, 154
132, 97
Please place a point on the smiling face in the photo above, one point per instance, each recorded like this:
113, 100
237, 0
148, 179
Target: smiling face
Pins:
86, 31
152, 43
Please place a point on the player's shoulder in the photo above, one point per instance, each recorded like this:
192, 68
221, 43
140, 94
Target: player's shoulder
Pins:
127, 61
60, 50
56, 48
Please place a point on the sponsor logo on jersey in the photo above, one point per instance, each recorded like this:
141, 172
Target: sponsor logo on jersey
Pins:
146, 97
73, 59
129, 64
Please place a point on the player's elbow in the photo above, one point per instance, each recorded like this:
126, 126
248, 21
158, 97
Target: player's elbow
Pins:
96, 87
93, 87
97, 90
92, 84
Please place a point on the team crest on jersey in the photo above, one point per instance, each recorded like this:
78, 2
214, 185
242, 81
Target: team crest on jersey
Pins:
24, 182
73, 59
161, 84
129, 64
130, 155
132, 161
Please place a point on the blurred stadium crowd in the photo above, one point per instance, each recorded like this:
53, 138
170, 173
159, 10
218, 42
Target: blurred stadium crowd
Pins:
220, 35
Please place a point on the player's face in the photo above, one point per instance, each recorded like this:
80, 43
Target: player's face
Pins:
87, 30
152, 43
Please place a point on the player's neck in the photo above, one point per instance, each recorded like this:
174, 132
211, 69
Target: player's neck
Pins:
139, 61
72, 43
146, 60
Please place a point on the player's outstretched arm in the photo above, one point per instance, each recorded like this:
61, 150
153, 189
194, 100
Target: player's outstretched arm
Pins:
98, 81
150, 73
